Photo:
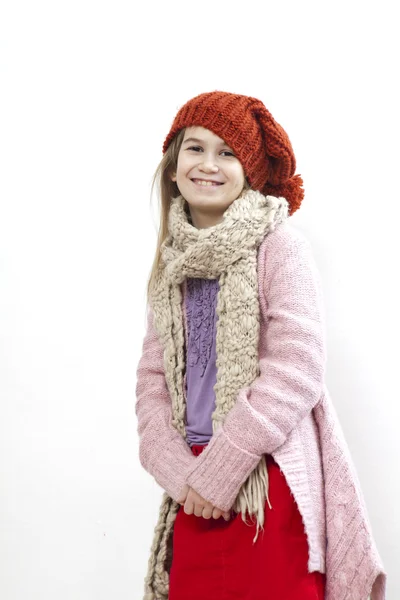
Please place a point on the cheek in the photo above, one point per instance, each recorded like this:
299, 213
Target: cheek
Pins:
240, 178
179, 164
183, 164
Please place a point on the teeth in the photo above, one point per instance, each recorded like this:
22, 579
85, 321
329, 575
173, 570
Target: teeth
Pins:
201, 182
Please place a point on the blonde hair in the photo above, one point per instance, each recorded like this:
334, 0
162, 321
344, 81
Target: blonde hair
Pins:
167, 189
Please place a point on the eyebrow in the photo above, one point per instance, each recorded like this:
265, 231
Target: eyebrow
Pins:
197, 141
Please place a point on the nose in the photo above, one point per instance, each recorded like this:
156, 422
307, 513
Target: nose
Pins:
207, 164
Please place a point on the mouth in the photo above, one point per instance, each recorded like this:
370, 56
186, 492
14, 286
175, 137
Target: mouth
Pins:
203, 183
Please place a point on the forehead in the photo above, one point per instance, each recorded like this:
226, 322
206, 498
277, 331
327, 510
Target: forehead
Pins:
202, 134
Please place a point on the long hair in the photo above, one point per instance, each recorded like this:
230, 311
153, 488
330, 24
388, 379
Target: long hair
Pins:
167, 189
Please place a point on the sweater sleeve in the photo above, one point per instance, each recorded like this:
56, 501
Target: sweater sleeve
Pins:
292, 364
163, 452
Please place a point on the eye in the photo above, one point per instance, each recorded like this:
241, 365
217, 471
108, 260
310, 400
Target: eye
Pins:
199, 149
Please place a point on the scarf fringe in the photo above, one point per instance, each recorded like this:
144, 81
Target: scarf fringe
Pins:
253, 495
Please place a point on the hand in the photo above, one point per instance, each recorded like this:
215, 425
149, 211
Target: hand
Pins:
195, 504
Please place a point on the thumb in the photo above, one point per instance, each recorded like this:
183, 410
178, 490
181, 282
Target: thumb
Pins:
183, 495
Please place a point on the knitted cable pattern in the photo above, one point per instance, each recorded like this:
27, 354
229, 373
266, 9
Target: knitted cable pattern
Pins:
227, 251
353, 562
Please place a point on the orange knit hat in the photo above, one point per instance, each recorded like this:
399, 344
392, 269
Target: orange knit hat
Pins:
259, 142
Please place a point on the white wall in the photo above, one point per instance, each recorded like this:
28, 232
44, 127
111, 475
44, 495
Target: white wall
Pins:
89, 90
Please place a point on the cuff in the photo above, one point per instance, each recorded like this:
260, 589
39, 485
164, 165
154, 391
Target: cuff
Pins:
220, 470
169, 468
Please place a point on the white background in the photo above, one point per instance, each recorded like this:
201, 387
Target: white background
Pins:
88, 93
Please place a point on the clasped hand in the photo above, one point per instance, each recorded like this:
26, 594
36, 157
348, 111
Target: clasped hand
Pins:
195, 504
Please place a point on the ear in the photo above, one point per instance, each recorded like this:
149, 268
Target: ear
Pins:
173, 177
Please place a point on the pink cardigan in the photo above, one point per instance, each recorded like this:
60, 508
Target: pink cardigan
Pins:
285, 412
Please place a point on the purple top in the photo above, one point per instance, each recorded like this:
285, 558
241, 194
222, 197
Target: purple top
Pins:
201, 372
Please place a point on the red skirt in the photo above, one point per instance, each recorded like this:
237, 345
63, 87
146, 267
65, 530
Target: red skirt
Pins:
214, 559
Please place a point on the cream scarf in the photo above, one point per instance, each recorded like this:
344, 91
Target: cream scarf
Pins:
227, 251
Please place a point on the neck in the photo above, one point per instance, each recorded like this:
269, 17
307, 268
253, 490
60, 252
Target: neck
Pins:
203, 220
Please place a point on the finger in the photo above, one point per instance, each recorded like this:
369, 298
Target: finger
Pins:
216, 513
227, 515
207, 511
198, 509
189, 507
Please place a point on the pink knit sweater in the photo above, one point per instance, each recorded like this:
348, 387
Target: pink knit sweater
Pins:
285, 412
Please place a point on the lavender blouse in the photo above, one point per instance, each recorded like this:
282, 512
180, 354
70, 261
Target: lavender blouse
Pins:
201, 371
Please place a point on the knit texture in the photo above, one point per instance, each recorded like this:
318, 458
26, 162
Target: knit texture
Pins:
227, 251
259, 142
287, 412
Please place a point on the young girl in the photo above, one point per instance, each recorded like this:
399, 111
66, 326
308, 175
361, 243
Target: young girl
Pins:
235, 423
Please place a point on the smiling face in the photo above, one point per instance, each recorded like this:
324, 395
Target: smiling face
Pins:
208, 175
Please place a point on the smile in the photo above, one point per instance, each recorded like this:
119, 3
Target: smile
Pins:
203, 183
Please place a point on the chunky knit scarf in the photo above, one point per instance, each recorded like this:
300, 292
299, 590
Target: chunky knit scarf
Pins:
227, 251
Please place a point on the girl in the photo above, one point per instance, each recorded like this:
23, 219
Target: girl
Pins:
235, 423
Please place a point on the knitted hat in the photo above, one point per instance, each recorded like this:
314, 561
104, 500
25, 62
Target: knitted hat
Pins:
259, 142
